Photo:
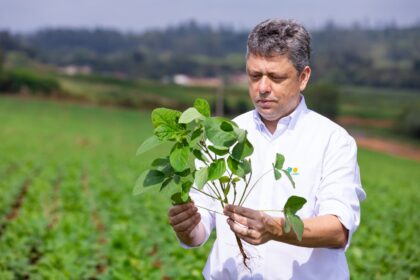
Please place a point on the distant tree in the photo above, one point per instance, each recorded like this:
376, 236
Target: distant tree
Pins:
323, 98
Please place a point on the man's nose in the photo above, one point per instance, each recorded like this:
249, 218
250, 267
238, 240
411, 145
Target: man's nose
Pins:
264, 85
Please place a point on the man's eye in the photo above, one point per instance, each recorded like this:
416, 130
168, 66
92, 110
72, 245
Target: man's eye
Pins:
276, 79
255, 77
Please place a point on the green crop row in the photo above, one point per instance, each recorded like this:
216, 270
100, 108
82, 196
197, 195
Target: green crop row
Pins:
79, 220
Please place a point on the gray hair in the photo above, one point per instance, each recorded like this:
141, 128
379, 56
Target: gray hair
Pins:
278, 37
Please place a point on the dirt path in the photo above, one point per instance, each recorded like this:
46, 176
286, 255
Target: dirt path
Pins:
388, 146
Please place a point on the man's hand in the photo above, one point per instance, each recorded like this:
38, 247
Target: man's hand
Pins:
254, 227
185, 221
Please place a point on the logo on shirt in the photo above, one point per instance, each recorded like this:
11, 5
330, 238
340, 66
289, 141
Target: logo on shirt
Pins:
293, 170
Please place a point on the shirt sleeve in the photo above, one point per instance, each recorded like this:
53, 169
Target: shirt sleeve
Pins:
203, 201
340, 191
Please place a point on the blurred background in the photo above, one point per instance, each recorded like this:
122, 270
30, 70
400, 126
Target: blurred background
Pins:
78, 80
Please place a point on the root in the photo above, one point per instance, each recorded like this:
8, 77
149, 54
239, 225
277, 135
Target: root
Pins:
245, 257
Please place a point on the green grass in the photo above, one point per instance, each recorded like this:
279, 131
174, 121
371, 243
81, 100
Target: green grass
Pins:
78, 213
376, 103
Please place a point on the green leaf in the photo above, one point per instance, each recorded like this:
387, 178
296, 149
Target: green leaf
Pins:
219, 137
216, 169
147, 181
297, 225
165, 122
196, 136
240, 133
153, 178
235, 180
201, 177
185, 193
226, 126
279, 161
160, 162
166, 183
242, 150
226, 190
277, 174
177, 199
149, 144
289, 177
179, 157
202, 106
293, 204
190, 115
224, 179
184, 173
239, 168
199, 155
220, 151
287, 224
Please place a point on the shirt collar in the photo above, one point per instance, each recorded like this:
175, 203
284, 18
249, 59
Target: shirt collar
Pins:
287, 122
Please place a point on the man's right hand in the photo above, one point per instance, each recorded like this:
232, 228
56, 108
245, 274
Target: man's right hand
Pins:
184, 219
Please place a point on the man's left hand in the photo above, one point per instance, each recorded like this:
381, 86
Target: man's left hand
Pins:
252, 226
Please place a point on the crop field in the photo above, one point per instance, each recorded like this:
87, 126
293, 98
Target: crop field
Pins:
67, 210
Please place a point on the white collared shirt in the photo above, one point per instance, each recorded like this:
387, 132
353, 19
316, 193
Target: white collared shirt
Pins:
322, 159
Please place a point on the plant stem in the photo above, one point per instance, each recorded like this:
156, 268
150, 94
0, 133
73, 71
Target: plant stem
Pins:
217, 212
205, 193
253, 186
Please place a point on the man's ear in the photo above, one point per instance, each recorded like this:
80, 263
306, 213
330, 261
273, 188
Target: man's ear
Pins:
304, 77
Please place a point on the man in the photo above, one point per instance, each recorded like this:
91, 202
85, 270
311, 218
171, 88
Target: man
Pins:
323, 163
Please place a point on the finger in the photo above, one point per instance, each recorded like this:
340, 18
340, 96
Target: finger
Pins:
192, 226
243, 211
241, 220
237, 228
176, 209
185, 225
183, 216
248, 239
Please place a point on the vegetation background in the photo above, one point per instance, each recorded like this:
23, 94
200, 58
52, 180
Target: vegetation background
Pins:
75, 104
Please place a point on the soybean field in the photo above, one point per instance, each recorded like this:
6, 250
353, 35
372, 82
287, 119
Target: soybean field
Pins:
67, 210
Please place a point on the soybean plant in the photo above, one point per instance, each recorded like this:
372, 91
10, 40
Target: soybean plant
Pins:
212, 152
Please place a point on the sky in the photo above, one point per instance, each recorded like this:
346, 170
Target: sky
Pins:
141, 15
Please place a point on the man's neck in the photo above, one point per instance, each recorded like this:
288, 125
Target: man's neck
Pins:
272, 124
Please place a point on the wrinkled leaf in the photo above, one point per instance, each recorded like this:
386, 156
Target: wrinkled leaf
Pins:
149, 144
201, 177
190, 115
179, 157
165, 122
216, 135
216, 169
279, 161
202, 106
294, 203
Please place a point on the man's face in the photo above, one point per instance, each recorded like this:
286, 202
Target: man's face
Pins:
275, 85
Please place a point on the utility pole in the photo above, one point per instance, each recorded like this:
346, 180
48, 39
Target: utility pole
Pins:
220, 96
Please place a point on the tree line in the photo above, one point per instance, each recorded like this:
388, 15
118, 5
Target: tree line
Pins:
387, 57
